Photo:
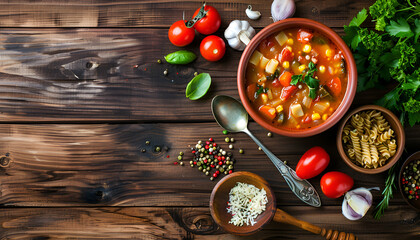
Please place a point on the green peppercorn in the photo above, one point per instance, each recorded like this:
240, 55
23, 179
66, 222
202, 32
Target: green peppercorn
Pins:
181, 163
285, 162
195, 73
204, 170
157, 149
181, 153
147, 142
211, 178
208, 168
179, 158
230, 167
159, 61
241, 151
227, 139
259, 148
192, 165
165, 72
221, 170
269, 134
143, 150
207, 173
232, 140
200, 168
225, 132
230, 146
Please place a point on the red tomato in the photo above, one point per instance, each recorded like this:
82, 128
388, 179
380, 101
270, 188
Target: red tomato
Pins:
287, 92
180, 35
209, 23
335, 86
285, 55
276, 83
312, 163
306, 119
335, 184
212, 48
285, 78
304, 36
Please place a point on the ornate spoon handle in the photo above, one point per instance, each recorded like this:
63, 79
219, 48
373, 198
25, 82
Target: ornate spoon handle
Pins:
300, 187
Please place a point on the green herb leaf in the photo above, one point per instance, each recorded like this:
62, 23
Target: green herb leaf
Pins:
399, 29
417, 29
180, 57
313, 85
296, 79
260, 90
198, 86
359, 19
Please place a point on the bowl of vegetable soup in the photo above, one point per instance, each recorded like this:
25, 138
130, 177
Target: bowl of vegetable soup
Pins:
297, 77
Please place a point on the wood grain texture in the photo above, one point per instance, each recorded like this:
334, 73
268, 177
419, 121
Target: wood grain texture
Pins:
189, 223
161, 13
103, 165
106, 75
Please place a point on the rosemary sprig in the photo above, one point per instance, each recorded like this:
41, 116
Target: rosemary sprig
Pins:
387, 193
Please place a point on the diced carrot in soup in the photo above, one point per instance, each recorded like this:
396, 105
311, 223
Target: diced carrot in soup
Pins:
291, 52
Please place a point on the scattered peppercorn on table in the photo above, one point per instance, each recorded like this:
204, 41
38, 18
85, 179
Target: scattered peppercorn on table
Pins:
93, 120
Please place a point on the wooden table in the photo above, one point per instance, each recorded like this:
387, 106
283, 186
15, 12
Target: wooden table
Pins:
81, 92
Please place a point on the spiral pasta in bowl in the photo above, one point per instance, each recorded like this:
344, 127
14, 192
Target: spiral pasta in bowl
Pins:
370, 139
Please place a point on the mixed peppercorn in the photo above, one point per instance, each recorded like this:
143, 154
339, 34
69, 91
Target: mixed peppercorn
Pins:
210, 158
411, 180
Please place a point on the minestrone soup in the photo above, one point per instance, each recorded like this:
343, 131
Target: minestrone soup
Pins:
296, 78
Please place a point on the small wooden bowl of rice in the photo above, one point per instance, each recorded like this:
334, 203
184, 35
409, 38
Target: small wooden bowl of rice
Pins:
370, 139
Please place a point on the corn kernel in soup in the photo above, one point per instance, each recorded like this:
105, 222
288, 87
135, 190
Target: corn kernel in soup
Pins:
296, 78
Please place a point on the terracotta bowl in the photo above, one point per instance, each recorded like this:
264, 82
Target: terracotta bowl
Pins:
398, 133
413, 203
327, 32
220, 196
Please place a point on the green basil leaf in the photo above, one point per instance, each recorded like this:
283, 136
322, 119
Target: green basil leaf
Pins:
296, 79
180, 57
198, 86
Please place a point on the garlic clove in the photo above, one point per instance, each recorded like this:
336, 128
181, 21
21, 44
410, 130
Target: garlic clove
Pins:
254, 15
356, 203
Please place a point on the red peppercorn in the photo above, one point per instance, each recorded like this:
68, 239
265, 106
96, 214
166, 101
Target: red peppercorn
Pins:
205, 160
230, 171
214, 175
411, 192
212, 166
195, 163
217, 172
219, 158
417, 197
193, 151
206, 147
175, 163
211, 139
207, 142
214, 144
223, 158
220, 163
417, 187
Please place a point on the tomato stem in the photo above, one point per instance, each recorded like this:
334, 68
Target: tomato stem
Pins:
202, 13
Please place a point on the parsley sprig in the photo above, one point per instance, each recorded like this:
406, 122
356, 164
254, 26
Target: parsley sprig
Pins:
391, 54
308, 79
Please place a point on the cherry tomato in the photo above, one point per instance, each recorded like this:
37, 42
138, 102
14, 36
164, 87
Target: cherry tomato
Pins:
285, 55
304, 36
312, 163
180, 35
212, 48
335, 184
209, 23
276, 83
287, 92
335, 86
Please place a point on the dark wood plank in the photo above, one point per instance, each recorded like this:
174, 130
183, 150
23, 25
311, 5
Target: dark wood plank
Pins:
87, 165
189, 223
162, 13
106, 74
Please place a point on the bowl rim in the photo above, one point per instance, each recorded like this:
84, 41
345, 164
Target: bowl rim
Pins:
336, 39
400, 140
409, 159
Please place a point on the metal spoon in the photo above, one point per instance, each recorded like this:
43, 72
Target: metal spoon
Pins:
232, 116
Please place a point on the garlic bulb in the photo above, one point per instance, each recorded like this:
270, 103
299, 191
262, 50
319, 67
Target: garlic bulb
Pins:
356, 203
238, 34
254, 15
282, 9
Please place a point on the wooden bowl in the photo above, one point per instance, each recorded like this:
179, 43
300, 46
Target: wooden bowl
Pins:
327, 32
220, 197
413, 203
395, 125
